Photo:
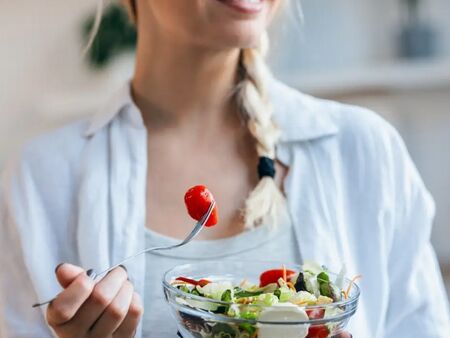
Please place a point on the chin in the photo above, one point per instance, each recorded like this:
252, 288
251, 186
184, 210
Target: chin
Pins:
236, 28
241, 38
216, 24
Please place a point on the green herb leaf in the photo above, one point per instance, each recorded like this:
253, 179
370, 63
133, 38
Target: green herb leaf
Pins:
240, 293
248, 327
251, 315
222, 330
277, 293
184, 288
226, 296
195, 292
325, 290
323, 277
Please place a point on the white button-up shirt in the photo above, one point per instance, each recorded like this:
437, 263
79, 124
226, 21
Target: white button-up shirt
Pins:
78, 195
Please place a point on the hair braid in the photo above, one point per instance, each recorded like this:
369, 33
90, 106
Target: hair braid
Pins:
266, 201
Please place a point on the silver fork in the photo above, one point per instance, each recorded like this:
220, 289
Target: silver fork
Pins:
198, 227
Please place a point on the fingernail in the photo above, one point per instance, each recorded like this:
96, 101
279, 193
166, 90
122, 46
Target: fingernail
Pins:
123, 267
90, 273
58, 266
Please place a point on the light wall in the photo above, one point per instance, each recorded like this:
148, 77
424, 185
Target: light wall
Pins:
351, 33
43, 79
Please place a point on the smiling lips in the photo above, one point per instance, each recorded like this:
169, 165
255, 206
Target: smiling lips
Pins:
245, 6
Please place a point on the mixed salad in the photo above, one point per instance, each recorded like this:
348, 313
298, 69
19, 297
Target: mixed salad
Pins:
281, 295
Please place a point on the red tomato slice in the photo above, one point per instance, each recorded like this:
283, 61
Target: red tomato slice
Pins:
201, 282
197, 200
318, 331
315, 313
187, 280
272, 276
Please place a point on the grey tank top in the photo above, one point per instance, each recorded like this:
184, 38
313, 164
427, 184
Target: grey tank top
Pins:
261, 243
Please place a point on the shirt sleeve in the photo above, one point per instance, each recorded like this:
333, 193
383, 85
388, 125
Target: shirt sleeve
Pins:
418, 305
17, 317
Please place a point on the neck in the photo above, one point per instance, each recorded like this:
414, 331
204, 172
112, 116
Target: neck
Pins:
175, 82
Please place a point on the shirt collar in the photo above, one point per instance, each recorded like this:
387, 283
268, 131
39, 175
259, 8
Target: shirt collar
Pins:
121, 100
299, 116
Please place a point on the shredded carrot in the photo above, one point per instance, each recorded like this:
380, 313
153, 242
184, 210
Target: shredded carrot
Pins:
284, 273
354, 279
245, 300
203, 282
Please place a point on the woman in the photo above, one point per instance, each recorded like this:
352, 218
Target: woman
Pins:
202, 108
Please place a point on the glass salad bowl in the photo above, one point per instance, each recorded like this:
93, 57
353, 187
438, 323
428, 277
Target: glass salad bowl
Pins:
237, 307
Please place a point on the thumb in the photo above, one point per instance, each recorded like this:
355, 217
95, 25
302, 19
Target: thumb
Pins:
66, 273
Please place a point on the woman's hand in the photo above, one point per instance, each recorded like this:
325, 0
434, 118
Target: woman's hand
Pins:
84, 309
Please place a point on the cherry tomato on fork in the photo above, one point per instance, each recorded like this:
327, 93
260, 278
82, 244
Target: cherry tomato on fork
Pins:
197, 200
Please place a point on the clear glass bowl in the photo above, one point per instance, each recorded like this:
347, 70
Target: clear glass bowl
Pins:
207, 322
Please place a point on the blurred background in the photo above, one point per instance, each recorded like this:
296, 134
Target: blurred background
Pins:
392, 56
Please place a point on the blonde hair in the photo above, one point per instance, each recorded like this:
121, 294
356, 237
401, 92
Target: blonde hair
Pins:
130, 6
266, 202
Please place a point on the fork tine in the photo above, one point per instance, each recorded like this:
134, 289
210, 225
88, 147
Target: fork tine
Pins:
200, 224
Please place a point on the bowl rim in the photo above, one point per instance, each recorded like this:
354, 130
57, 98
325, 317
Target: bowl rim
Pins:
350, 301
224, 318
